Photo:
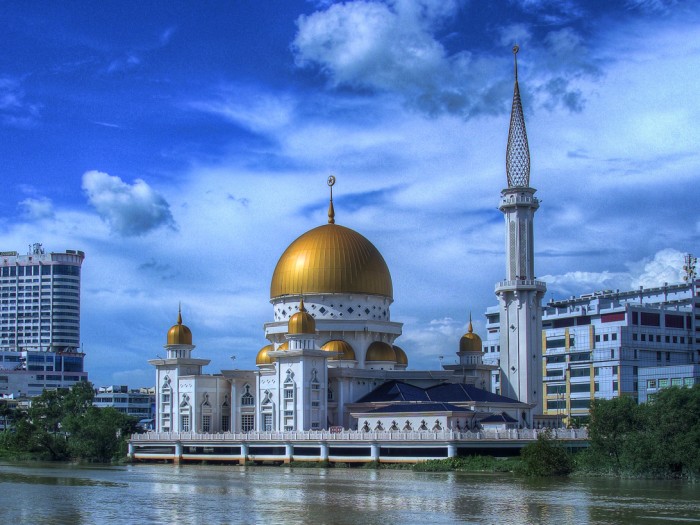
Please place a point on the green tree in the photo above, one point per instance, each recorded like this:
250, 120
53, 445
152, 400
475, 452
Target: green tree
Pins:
612, 422
545, 457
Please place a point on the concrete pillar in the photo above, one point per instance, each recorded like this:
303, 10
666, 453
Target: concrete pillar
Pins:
451, 450
130, 453
178, 452
324, 451
244, 454
288, 452
375, 452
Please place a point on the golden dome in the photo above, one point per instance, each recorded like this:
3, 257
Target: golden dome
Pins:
331, 259
302, 322
401, 357
345, 351
263, 358
470, 342
283, 346
379, 351
179, 334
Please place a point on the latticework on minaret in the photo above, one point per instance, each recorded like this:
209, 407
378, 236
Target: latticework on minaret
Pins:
517, 152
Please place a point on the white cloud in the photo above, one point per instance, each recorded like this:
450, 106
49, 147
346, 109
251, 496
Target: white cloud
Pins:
15, 110
35, 209
254, 110
129, 209
666, 266
392, 47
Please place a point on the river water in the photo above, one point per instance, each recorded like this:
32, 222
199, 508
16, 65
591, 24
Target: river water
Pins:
39, 493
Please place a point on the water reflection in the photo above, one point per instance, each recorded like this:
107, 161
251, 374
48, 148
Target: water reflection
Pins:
235, 494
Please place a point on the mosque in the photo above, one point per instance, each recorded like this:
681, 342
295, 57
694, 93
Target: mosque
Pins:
332, 361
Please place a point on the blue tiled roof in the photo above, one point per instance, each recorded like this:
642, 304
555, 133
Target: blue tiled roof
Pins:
498, 418
419, 407
442, 393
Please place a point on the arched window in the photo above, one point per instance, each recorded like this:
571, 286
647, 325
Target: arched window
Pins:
247, 398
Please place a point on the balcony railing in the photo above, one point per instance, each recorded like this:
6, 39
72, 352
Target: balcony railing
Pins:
358, 436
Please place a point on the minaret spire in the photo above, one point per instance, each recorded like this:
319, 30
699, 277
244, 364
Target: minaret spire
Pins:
179, 313
331, 210
518, 151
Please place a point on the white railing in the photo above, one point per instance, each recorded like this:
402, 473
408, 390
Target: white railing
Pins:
521, 282
355, 435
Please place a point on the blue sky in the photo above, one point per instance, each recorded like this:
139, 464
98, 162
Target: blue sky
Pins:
184, 145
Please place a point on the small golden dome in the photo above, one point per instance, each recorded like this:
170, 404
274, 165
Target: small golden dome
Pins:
331, 259
263, 358
345, 351
302, 322
470, 342
179, 334
380, 351
401, 357
283, 346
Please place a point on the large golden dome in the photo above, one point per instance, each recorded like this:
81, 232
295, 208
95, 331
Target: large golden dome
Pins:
179, 334
331, 259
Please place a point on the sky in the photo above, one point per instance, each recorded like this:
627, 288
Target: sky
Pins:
184, 145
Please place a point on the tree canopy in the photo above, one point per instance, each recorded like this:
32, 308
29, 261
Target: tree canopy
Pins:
63, 424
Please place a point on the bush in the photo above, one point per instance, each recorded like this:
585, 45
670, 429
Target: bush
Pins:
545, 457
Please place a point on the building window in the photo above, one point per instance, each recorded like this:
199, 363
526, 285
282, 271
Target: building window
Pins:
267, 422
206, 423
688, 381
185, 423
651, 383
663, 383
644, 337
288, 393
225, 422
634, 337
676, 381
613, 337
605, 337
247, 398
248, 422
615, 386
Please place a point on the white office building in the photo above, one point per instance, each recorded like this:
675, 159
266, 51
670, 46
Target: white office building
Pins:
40, 321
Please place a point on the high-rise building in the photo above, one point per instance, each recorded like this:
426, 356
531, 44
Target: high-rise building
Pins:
520, 294
40, 321
613, 343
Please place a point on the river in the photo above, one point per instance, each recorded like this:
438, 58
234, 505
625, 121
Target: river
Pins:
40, 493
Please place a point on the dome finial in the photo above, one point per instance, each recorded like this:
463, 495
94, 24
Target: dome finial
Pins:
471, 328
179, 312
331, 211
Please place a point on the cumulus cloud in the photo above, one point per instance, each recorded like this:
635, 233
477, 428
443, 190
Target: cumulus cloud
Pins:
36, 209
129, 209
393, 47
666, 266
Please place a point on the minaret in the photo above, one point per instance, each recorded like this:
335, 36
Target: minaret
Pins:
178, 362
520, 295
